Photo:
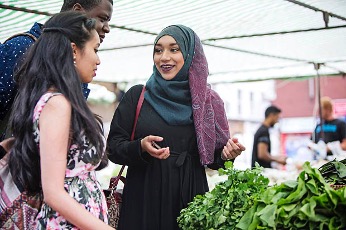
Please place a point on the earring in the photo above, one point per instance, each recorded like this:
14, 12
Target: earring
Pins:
74, 61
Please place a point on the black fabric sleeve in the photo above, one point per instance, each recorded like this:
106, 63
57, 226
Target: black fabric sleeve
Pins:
119, 147
218, 162
264, 139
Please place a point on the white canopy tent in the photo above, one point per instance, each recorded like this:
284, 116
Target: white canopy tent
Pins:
244, 40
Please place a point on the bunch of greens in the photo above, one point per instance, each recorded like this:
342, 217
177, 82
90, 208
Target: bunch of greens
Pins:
334, 172
308, 203
223, 207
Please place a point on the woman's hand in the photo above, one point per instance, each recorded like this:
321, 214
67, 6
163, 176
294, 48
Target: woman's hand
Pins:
149, 145
232, 149
7, 144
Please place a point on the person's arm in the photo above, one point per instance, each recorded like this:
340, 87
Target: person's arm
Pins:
54, 126
263, 154
219, 162
121, 150
11, 53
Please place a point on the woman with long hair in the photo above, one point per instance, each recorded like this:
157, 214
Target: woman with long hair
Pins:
59, 142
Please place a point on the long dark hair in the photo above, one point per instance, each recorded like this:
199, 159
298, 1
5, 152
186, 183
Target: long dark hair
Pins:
49, 64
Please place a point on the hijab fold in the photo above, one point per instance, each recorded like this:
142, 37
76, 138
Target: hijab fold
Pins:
188, 95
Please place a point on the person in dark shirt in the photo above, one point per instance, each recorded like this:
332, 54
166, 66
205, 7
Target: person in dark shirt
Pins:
261, 151
331, 129
13, 49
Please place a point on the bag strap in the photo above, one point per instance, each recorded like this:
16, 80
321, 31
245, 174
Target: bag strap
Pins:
138, 109
22, 34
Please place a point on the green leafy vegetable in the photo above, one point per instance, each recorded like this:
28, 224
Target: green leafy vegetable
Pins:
308, 203
334, 172
225, 205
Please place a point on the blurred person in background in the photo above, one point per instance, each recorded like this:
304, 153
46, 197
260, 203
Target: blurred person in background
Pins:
331, 131
261, 151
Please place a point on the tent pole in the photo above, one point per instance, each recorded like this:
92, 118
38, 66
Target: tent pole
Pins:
318, 89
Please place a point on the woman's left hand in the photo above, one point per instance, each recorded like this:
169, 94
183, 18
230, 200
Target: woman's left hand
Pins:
232, 149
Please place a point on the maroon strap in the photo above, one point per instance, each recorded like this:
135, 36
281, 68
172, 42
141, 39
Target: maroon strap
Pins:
138, 109
139, 106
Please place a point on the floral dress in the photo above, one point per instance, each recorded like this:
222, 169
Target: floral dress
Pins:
80, 179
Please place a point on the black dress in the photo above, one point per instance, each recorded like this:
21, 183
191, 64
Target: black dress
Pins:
156, 190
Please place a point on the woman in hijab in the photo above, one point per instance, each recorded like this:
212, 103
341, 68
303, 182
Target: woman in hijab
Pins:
181, 128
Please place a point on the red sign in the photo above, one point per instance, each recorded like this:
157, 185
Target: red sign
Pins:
340, 107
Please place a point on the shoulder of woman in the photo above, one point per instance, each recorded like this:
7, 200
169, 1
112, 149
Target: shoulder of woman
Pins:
59, 102
136, 88
134, 92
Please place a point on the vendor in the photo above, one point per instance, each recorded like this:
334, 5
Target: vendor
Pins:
330, 129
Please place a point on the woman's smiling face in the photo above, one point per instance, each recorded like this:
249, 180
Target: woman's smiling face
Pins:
168, 57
